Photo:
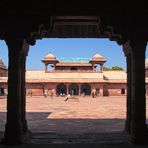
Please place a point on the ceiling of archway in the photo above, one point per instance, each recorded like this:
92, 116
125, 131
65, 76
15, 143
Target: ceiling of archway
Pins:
75, 27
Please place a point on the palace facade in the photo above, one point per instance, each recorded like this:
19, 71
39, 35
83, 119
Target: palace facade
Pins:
75, 76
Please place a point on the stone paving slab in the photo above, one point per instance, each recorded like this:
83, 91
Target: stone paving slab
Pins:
89, 114
91, 120
49, 138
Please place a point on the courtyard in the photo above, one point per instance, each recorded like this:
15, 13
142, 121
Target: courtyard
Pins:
84, 119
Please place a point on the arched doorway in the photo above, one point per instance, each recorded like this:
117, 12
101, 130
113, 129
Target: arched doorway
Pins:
61, 89
2, 92
73, 68
74, 89
86, 88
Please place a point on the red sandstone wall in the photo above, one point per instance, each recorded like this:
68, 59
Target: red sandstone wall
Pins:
3, 72
38, 89
35, 92
116, 92
146, 72
146, 89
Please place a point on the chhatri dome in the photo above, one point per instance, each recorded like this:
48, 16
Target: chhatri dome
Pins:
98, 57
50, 56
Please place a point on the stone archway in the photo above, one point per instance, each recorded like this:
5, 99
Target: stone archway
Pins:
126, 29
74, 89
61, 89
86, 88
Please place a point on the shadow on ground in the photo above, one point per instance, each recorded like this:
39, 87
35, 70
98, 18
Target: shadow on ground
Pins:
46, 130
72, 133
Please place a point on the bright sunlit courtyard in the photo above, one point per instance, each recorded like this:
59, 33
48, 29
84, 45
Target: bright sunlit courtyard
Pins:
85, 119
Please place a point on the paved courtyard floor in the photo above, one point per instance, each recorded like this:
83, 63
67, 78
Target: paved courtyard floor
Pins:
85, 114
81, 120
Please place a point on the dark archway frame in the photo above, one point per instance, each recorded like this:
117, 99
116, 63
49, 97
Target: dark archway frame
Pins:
25, 29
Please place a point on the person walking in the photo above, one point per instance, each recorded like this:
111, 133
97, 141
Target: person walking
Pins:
52, 92
93, 93
72, 92
45, 94
30, 93
68, 96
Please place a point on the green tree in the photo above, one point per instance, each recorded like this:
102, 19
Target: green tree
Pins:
106, 68
116, 68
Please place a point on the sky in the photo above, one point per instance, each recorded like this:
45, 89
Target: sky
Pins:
83, 48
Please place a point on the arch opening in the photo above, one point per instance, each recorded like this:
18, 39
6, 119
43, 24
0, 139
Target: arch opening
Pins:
86, 89
61, 90
73, 89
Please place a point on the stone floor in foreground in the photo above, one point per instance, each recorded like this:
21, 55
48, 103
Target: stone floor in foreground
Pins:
87, 120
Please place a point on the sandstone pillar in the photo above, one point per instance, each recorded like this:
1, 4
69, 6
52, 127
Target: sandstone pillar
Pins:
16, 126
136, 101
67, 89
79, 89
101, 67
46, 67
127, 51
25, 49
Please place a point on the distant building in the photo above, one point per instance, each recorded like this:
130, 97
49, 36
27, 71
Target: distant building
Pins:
3, 73
146, 74
75, 76
146, 67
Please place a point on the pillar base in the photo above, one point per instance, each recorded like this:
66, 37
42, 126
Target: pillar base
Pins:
127, 129
17, 140
140, 140
140, 137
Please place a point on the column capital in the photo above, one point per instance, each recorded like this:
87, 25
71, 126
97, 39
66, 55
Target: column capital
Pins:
17, 45
133, 45
127, 48
138, 44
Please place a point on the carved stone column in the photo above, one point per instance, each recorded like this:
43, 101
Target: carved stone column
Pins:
136, 101
46, 65
79, 89
101, 67
127, 51
16, 125
24, 53
93, 65
67, 89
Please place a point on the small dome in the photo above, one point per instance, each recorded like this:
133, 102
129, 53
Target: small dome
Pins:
50, 57
97, 57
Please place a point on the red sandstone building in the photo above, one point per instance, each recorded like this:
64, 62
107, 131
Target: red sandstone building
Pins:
23, 24
3, 73
75, 76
